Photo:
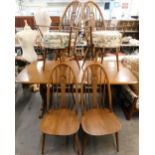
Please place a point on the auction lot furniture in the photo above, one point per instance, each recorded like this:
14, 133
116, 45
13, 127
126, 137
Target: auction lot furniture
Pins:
34, 73
107, 39
96, 93
61, 120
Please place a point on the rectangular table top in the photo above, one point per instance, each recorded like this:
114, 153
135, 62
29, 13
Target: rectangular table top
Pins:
34, 73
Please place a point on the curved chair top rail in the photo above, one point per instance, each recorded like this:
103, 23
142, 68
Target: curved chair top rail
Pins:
92, 15
71, 15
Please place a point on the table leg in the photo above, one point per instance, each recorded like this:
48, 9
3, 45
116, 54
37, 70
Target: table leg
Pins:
43, 90
44, 61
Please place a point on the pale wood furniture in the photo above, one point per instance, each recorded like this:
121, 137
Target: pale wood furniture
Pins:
92, 16
98, 118
71, 16
92, 19
71, 21
107, 39
61, 120
62, 41
34, 73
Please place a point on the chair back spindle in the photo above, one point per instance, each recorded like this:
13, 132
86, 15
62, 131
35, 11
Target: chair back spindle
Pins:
63, 86
95, 88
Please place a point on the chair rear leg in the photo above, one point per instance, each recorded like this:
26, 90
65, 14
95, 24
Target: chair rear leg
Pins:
102, 55
43, 143
117, 60
84, 142
77, 144
117, 141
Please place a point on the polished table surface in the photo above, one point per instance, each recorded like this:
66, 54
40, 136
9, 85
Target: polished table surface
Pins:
34, 73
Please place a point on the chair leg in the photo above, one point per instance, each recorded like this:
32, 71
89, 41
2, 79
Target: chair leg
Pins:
67, 140
102, 55
117, 50
43, 143
131, 109
117, 141
95, 54
77, 61
44, 60
84, 142
77, 144
85, 57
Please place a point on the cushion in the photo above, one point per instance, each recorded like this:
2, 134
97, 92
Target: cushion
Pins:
56, 40
107, 39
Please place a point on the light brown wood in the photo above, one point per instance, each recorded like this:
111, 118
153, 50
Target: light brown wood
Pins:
33, 73
61, 122
96, 120
92, 16
71, 16
61, 119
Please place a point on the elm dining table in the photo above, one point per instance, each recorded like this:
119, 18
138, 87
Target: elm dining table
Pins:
34, 73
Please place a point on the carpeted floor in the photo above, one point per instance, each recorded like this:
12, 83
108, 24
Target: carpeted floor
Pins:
28, 135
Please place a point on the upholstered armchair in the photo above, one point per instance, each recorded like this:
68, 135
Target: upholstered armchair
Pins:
130, 93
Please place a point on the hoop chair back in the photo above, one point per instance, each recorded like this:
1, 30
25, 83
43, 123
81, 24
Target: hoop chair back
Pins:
95, 88
92, 16
63, 85
71, 16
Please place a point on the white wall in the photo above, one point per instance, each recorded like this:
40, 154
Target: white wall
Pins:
57, 8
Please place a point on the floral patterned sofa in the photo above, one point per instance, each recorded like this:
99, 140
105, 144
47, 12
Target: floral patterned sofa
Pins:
130, 93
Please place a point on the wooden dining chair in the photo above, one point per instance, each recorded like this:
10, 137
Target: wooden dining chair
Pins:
71, 16
71, 21
93, 20
61, 118
98, 118
92, 16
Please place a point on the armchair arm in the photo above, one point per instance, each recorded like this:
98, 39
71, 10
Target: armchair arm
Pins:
131, 96
130, 91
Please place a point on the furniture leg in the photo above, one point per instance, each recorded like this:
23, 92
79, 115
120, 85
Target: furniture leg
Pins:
102, 55
84, 142
131, 110
43, 90
117, 141
76, 59
43, 143
44, 61
77, 144
67, 140
85, 57
117, 50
